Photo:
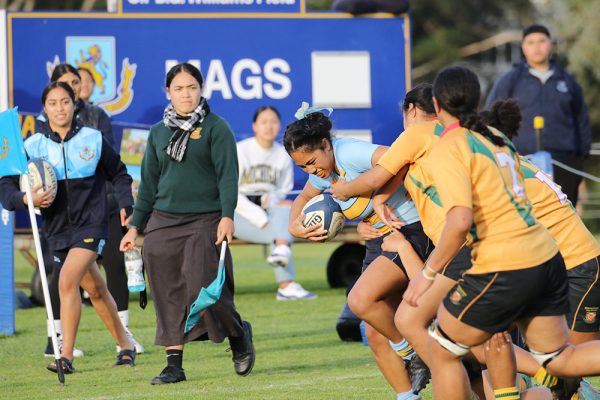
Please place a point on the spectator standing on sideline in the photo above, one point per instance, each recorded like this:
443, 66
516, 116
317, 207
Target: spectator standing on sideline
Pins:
262, 213
113, 262
543, 88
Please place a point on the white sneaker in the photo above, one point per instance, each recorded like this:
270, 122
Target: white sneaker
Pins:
139, 349
49, 352
280, 257
294, 291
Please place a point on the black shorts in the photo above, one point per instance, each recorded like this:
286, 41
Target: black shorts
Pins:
96, 245
584, 297
459, 264
415, 236
492, 301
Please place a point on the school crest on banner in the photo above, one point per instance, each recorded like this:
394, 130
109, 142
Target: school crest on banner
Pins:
113, 90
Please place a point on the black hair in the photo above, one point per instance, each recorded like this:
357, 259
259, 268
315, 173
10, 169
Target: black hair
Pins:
457, 91
265, 108
504, 115
87, 71
307, 133
54, 85
62, 69
184, 67
421, 96
536, 28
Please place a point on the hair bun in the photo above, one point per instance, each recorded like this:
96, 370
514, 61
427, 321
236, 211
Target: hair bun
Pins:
318, 122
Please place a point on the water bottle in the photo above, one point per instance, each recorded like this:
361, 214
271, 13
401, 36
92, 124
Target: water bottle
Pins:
134, 267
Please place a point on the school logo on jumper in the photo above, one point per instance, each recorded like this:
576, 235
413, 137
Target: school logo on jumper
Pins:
562, 87
4, 148
97, 54
196, 134
86, 155
458, 295
590, 315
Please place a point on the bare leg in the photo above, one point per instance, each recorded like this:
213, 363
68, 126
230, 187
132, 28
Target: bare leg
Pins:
74, 268
450, 380
381, 281
582, 337
389, 363
105, 305
412, 322
549, 334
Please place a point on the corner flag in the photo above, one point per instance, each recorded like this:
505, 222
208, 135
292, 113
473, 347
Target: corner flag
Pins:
13, 161
12, 151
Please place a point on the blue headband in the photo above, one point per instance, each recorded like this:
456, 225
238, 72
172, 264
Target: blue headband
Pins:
304, 110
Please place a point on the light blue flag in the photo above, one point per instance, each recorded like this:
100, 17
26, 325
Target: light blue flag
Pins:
12, 151
209, 295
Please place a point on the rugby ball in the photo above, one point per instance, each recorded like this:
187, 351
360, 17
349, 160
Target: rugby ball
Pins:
40, 171
323, 210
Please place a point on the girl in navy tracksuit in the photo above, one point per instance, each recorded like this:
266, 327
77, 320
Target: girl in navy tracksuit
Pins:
76, 222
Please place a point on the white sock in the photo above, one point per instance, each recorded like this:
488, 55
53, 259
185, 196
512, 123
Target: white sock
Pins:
57, 327
124, 316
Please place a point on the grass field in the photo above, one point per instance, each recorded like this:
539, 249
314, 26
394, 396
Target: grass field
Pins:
299, 355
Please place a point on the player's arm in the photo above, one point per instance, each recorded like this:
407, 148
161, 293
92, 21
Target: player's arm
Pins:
296, 228
367, 182
384, 194
458, 222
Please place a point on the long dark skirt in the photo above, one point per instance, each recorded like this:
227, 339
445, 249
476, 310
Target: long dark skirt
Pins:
181, 257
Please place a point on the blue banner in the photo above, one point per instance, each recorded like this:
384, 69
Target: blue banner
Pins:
245, 66
358, 66
212, 6
7, 281
12, 152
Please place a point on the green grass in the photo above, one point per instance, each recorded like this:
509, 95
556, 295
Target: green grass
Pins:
299, 355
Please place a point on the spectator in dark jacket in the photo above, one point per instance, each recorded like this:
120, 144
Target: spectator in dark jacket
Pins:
544, 88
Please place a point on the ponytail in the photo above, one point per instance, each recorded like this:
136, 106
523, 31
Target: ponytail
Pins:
475, 122
504, 115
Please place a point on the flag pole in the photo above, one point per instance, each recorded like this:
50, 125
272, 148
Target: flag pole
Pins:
42, 268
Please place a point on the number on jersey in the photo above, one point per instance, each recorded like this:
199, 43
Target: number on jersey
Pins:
556, 188
504, 160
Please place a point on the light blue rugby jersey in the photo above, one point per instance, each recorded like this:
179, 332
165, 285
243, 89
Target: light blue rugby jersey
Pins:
82, 151
352, 158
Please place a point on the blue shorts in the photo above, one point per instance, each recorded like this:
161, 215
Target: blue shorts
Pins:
415, 236
96, 245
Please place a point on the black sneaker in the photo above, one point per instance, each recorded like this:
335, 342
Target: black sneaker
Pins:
418, 372
169, 375
67, 366
565, 388
243, 358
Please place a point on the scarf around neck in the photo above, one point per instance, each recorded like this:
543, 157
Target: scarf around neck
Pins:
183, 126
